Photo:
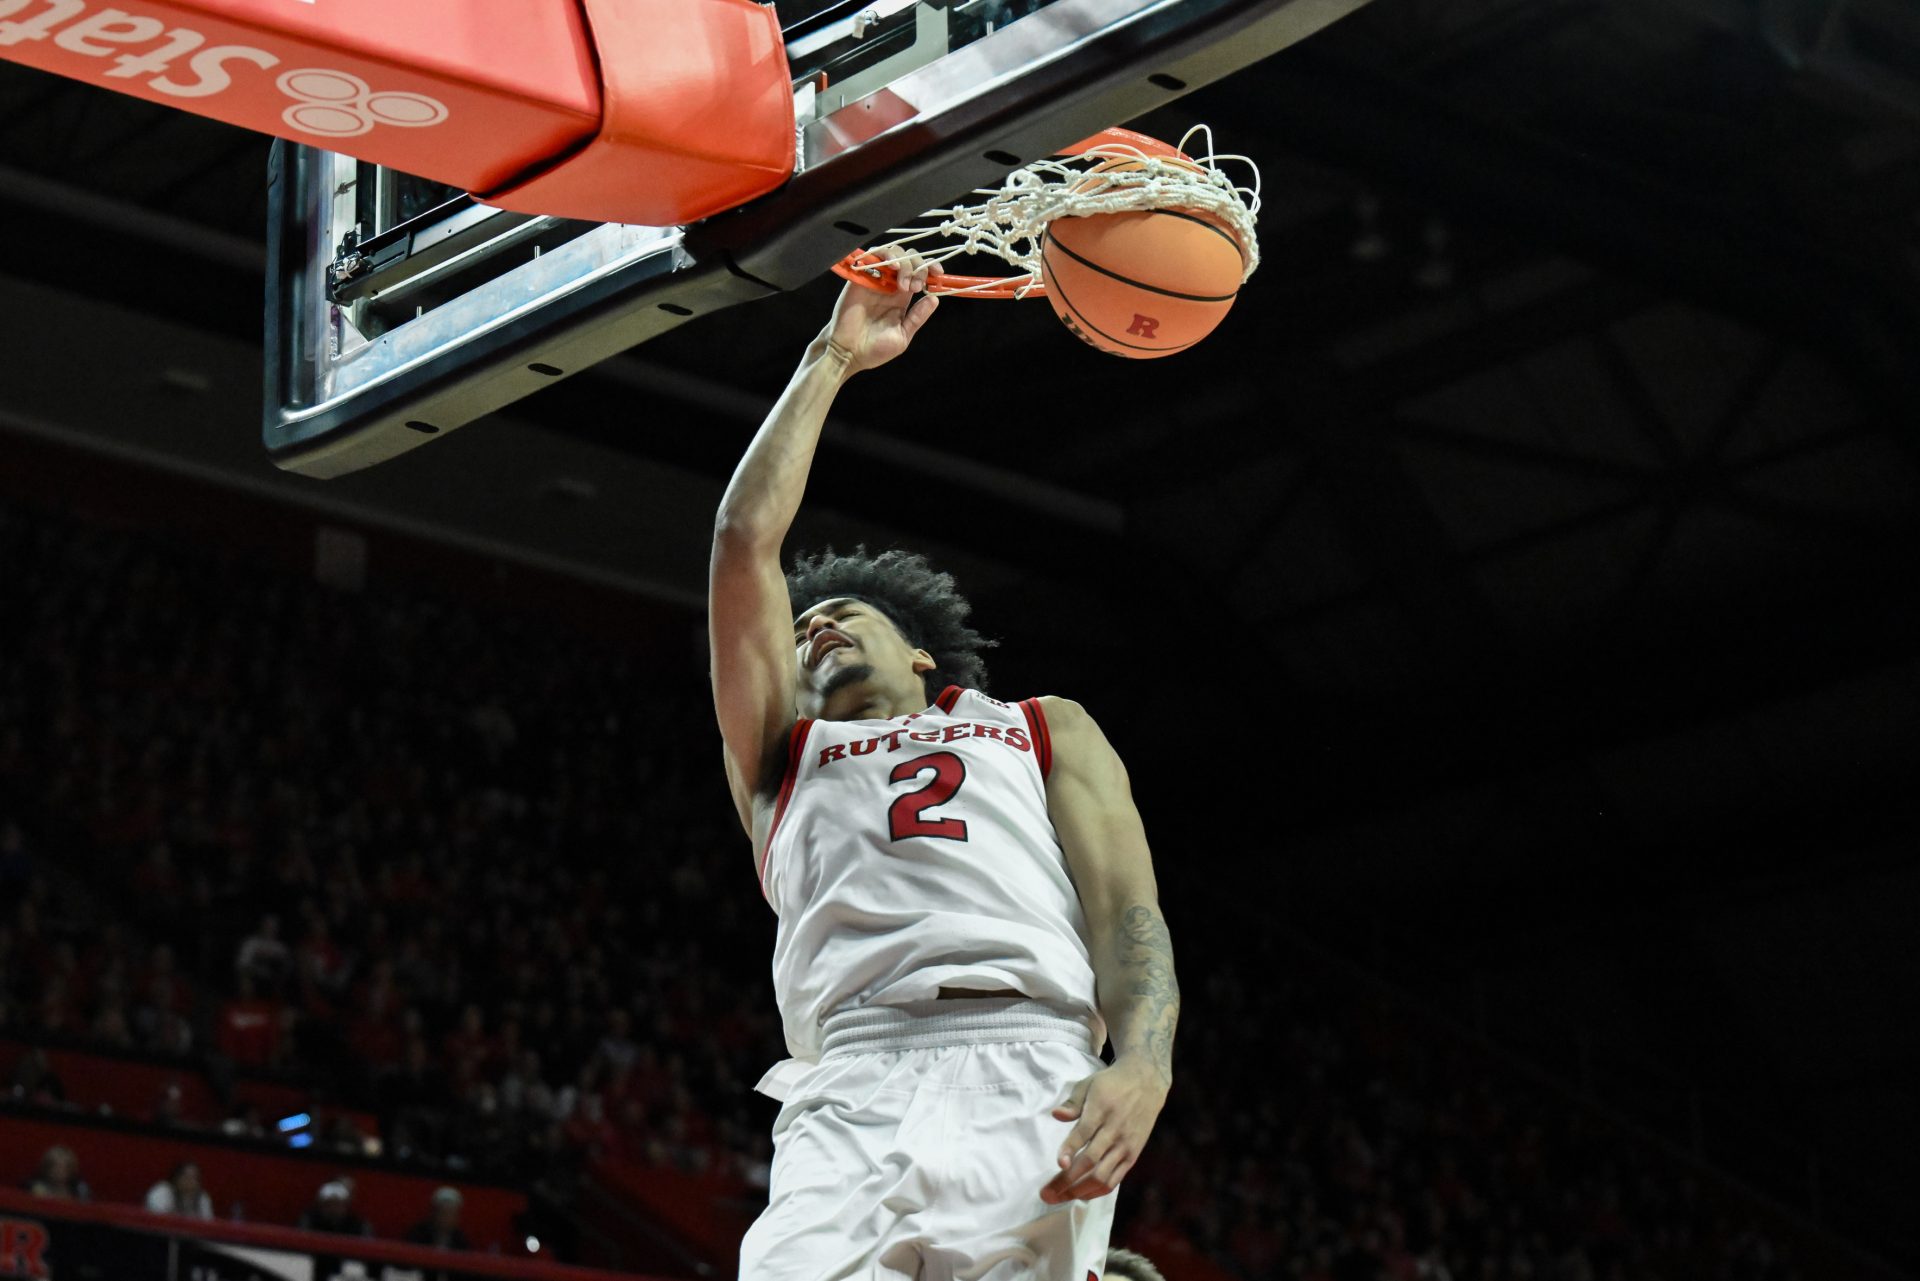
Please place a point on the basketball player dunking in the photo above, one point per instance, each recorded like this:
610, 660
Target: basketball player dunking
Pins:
966, 902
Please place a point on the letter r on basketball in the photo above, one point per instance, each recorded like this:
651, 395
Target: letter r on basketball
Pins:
335, 104
1143, 325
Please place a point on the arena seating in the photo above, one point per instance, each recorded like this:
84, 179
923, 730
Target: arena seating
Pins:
472, 890
248, 1182
43, 1237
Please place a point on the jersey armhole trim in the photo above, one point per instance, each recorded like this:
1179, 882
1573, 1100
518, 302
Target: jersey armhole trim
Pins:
796, 753
948, 697
1042, 741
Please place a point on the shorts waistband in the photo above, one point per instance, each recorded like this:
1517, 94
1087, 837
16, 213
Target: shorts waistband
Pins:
923, 1025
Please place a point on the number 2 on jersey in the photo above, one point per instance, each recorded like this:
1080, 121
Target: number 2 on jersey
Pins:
904, 815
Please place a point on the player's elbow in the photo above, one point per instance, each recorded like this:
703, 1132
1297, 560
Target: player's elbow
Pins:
738, 535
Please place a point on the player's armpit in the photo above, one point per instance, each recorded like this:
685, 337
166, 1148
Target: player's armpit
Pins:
741, 793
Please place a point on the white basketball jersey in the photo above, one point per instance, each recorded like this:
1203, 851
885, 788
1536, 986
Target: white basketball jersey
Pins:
912, 854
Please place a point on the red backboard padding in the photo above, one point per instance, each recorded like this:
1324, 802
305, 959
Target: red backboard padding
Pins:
121, 1166
697, 115
462, 93
498, 99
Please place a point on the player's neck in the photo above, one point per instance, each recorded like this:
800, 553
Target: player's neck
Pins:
884, 707
876, 704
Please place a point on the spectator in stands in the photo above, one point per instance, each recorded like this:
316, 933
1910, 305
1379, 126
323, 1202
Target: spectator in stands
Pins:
332, 1211
249, 1032
263, 956
110, 1027
170, 1107
159, 1015
617, 1048
181, 1193
156, 881
441, 1228
321, 968
467, 1047
59, 1176
756, 1164
338, 1133
245, 1122
35, 1080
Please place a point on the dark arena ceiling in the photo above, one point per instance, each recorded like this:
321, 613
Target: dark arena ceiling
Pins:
1523, 582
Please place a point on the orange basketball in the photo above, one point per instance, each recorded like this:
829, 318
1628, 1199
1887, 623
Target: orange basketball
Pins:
1141, 284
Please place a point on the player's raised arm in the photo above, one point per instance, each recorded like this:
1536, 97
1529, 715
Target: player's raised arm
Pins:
749, 620
1091, 804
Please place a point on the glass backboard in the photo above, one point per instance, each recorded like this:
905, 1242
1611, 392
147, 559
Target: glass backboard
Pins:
399, 309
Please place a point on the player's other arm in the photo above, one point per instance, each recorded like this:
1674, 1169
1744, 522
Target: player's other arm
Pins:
749, 620
1091, 803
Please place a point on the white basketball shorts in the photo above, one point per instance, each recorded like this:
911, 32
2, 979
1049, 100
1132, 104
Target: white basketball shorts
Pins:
918, 1145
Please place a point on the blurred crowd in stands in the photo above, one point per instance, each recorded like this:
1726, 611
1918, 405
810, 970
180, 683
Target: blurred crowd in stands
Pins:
482, 881
182, 1193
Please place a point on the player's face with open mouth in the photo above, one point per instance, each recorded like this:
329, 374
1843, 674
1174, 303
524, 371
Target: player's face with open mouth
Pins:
844, 646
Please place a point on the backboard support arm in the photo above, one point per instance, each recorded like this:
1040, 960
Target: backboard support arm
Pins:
345, 391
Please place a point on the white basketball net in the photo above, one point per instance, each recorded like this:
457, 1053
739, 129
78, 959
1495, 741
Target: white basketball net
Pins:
1011, 219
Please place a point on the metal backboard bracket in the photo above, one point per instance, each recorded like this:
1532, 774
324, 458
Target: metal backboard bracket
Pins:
396, 314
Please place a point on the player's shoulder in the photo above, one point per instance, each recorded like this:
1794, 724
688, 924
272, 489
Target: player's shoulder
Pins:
1064, 715
1048, 703
1061, 715
1051, 703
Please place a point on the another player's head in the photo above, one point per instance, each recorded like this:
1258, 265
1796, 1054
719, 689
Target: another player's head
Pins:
886, 630
1125, 1265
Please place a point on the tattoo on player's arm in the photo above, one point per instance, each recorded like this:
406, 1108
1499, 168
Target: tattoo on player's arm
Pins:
1146, 958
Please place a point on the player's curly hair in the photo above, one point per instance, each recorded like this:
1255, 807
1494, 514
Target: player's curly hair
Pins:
918, 598
1125, 1265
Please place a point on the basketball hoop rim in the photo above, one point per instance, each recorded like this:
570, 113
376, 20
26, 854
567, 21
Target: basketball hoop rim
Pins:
868, 269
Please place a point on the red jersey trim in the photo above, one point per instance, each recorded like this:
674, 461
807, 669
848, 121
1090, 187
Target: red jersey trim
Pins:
1042, 741
796, 753
948, 697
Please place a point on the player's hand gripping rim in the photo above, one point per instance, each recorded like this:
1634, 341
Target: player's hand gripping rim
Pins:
1115, 1109
870, 327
